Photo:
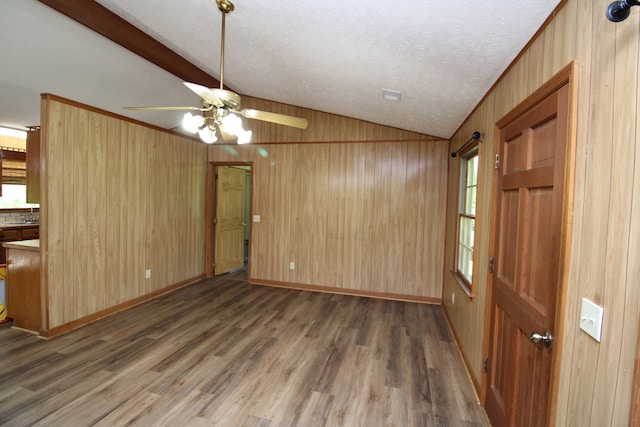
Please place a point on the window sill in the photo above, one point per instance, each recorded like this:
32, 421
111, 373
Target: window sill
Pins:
463, 285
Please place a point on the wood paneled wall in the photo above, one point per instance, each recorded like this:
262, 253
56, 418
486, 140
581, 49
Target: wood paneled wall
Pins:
359, 217
119, 198
323, 127
595, 378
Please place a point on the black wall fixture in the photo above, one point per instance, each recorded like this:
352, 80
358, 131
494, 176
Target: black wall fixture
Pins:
474, 136
620, 10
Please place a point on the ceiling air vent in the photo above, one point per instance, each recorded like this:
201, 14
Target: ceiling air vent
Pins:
391, 95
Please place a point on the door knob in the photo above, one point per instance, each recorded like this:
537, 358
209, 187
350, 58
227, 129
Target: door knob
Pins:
536, 338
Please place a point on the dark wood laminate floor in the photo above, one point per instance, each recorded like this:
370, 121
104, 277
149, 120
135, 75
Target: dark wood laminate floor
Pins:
223, 352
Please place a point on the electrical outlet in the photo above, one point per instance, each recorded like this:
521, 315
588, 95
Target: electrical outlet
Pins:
147, 273
292, 265
453, 298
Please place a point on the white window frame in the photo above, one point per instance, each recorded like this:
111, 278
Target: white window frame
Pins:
466, 215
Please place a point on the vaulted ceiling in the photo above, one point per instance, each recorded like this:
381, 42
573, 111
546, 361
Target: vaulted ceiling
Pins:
335, 56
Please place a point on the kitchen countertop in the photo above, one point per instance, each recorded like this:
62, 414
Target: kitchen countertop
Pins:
26, 245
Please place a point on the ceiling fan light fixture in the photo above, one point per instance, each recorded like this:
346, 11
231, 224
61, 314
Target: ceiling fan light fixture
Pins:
245, 137
221, 107
208, 134
233, 124
192, 123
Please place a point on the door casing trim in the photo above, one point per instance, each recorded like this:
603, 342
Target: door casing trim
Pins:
210, 213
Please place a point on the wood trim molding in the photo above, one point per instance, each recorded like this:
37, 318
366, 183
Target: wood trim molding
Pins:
569, 76
209, 214
353, 141
75, 324
98, 18
566, 75
45, 119
344, 291
634, 414
464, 356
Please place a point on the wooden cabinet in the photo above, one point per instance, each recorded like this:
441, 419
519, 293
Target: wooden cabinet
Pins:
24, 294
14, 234
8, 235
30, 233
33, 165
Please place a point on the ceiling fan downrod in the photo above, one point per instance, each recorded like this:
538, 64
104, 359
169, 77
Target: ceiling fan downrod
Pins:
224, 6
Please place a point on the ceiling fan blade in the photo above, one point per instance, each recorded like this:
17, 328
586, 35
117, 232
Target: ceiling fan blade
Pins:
280, 119
205, 93
167, 108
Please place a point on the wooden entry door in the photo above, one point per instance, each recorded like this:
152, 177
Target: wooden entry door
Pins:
229, 219
527, 262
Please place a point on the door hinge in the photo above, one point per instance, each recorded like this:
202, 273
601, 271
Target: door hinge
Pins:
215, 220
485, 366
497, 163
491, 264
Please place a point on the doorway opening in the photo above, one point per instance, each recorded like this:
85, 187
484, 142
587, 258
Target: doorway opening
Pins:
228, 212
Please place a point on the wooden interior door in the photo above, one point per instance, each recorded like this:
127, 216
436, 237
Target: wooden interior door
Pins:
33, 165
229, 219
527, 259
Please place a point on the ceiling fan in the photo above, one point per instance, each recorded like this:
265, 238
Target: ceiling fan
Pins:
221, 108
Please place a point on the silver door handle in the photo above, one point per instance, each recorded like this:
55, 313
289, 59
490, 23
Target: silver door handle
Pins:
536, 338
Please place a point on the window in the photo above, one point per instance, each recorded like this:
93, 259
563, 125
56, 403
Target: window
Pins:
15, 196
467, 217
13, 169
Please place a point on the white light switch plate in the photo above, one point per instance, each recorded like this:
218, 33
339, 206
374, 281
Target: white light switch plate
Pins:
591, 319
256, 218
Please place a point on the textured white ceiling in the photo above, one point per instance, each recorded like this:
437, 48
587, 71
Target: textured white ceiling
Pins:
334, 55
42, 51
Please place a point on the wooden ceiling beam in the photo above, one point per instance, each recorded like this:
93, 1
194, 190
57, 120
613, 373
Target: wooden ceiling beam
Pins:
98, 18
